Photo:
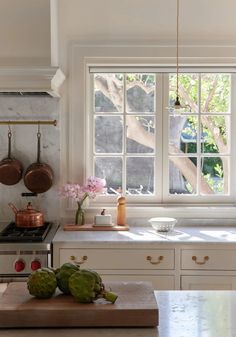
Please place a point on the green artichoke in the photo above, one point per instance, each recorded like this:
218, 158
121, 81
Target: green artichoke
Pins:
86, 286
63, 274
42, 283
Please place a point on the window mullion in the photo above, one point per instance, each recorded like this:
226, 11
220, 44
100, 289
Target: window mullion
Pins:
199, 137
159, 138
124, 138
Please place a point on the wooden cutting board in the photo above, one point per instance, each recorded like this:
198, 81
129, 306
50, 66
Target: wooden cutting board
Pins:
91, 227
135, 307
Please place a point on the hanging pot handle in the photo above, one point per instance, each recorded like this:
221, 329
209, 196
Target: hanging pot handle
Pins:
9, 144
38, 146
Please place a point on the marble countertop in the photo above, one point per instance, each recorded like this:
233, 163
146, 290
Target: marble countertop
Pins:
142, 235
181, 314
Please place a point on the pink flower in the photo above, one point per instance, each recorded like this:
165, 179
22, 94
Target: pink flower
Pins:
79, 193
94, 185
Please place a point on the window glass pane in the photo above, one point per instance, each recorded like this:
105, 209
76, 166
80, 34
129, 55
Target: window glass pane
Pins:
140, 91
140, 175
140, 134
215, 134
215, 171
110, 168
215, 92
124, 134
108, 92
183, 134
108, 134
188, 91
182, 175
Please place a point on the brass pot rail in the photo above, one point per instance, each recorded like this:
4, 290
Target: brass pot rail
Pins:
28, 122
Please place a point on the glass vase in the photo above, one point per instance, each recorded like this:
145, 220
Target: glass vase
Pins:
79, 216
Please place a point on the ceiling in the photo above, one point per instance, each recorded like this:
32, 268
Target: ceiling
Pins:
201, 21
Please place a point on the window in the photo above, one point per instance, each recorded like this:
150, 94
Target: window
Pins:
152, 155
124, 137
199, 146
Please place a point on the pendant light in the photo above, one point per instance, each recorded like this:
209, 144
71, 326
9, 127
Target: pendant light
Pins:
176, 108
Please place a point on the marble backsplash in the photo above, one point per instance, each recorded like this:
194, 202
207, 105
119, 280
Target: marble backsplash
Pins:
24, 148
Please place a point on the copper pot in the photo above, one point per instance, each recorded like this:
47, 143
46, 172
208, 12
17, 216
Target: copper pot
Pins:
28, 217
38, 177
10, 168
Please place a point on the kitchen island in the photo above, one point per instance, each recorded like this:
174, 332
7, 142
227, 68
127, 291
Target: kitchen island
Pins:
181, 314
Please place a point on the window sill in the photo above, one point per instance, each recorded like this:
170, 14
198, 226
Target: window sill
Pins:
187, 215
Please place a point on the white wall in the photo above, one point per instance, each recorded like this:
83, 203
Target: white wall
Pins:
154, 21
25, 25
24, 32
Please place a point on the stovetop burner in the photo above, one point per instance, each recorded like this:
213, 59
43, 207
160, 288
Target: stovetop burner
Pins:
11, 233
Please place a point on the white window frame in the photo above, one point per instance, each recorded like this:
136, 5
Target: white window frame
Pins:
161, 178
75, 159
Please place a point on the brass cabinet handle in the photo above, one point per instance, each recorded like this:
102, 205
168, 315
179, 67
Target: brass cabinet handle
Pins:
84, 258
205, 259
160, 258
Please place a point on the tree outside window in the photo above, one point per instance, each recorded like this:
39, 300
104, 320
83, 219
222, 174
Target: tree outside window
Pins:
125, 150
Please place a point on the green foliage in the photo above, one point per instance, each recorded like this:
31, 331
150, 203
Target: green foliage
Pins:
221, 97
213, 172
190, 84
146, 79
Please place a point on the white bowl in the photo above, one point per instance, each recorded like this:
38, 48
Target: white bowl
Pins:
163, 224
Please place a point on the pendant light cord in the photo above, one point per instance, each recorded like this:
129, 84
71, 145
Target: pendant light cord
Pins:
177, 49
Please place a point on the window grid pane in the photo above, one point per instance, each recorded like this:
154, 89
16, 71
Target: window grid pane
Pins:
130, 132
211, 144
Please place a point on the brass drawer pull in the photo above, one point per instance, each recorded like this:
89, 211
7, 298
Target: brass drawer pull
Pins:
205, 259
84, 258
160, 258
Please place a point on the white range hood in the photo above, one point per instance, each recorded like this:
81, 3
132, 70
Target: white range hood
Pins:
38, 79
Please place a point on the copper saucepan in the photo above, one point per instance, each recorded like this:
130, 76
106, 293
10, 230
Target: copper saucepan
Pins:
11, 169
27, 218
38, 177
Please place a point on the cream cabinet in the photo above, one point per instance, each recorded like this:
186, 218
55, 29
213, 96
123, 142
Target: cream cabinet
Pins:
167, 264
208, 269
120, 259
153, 265
208, 259
208, 282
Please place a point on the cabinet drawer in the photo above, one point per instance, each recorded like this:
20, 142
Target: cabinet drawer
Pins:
209, 259
208, 282
120, 258
160, 282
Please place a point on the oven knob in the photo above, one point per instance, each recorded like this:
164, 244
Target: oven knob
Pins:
19, 265
36, 264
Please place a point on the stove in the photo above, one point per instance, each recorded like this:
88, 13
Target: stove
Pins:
11, 233
23, 250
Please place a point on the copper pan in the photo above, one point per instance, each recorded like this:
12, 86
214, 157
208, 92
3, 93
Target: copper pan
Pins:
10, 168
38, 177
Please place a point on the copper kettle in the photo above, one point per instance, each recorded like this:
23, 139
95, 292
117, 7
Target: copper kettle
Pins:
28, 217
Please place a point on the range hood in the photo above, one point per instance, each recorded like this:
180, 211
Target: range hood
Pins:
30, 80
